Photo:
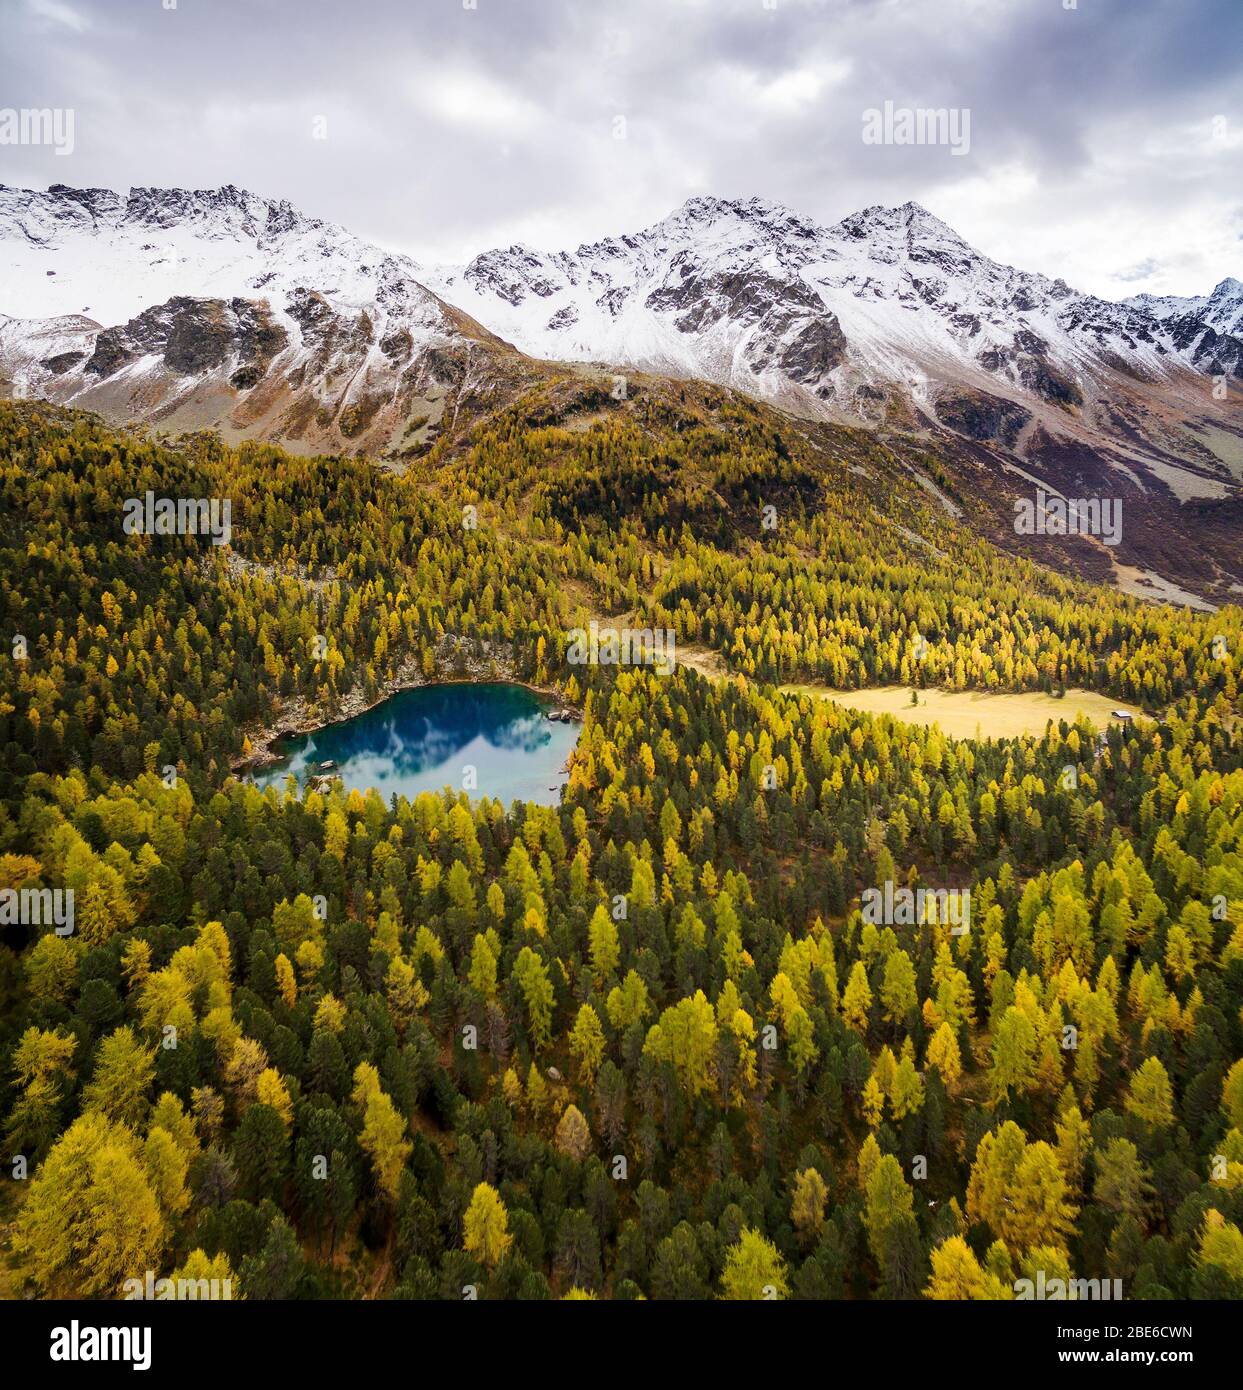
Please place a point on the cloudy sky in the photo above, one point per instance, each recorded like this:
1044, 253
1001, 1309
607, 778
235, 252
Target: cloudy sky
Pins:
1106, 136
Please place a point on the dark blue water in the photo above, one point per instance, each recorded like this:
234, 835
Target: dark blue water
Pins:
428, 738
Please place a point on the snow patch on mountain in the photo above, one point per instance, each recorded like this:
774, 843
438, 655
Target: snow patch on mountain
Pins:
1222, 310
111, 255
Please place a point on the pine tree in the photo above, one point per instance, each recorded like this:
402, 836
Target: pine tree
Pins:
383, 1137
486, 1226
573, 1137
753, 1269
1150, 1097
587, 1043
91, 1218
808, 1203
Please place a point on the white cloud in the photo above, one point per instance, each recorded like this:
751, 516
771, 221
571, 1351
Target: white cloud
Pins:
465, 98
1105, 141
799, 88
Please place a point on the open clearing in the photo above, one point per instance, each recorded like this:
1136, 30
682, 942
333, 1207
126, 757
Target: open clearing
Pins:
974, 713
704, 660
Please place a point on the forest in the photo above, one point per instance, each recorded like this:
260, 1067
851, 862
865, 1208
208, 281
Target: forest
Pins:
642, 1044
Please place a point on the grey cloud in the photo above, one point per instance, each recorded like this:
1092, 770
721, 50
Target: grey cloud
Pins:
451, 129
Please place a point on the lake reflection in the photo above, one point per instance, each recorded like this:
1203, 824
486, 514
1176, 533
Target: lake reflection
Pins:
424, 739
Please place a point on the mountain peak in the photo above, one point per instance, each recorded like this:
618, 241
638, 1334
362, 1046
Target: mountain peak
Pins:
1222, 310
706, 210
739, 207
911, 217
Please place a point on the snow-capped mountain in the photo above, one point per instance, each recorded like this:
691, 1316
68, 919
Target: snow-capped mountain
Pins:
1222, 310
207, 307
221, 308
111, 255
752, 295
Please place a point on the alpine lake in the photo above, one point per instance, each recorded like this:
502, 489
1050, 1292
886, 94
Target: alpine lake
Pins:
491, 739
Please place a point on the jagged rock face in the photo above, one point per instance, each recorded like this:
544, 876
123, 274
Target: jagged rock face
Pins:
328, 383
1217, 354
62, 362
788, 329
807, 355
730, 291
191, 336
980, 416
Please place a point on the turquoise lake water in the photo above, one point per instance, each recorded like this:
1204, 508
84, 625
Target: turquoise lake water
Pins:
425, 739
